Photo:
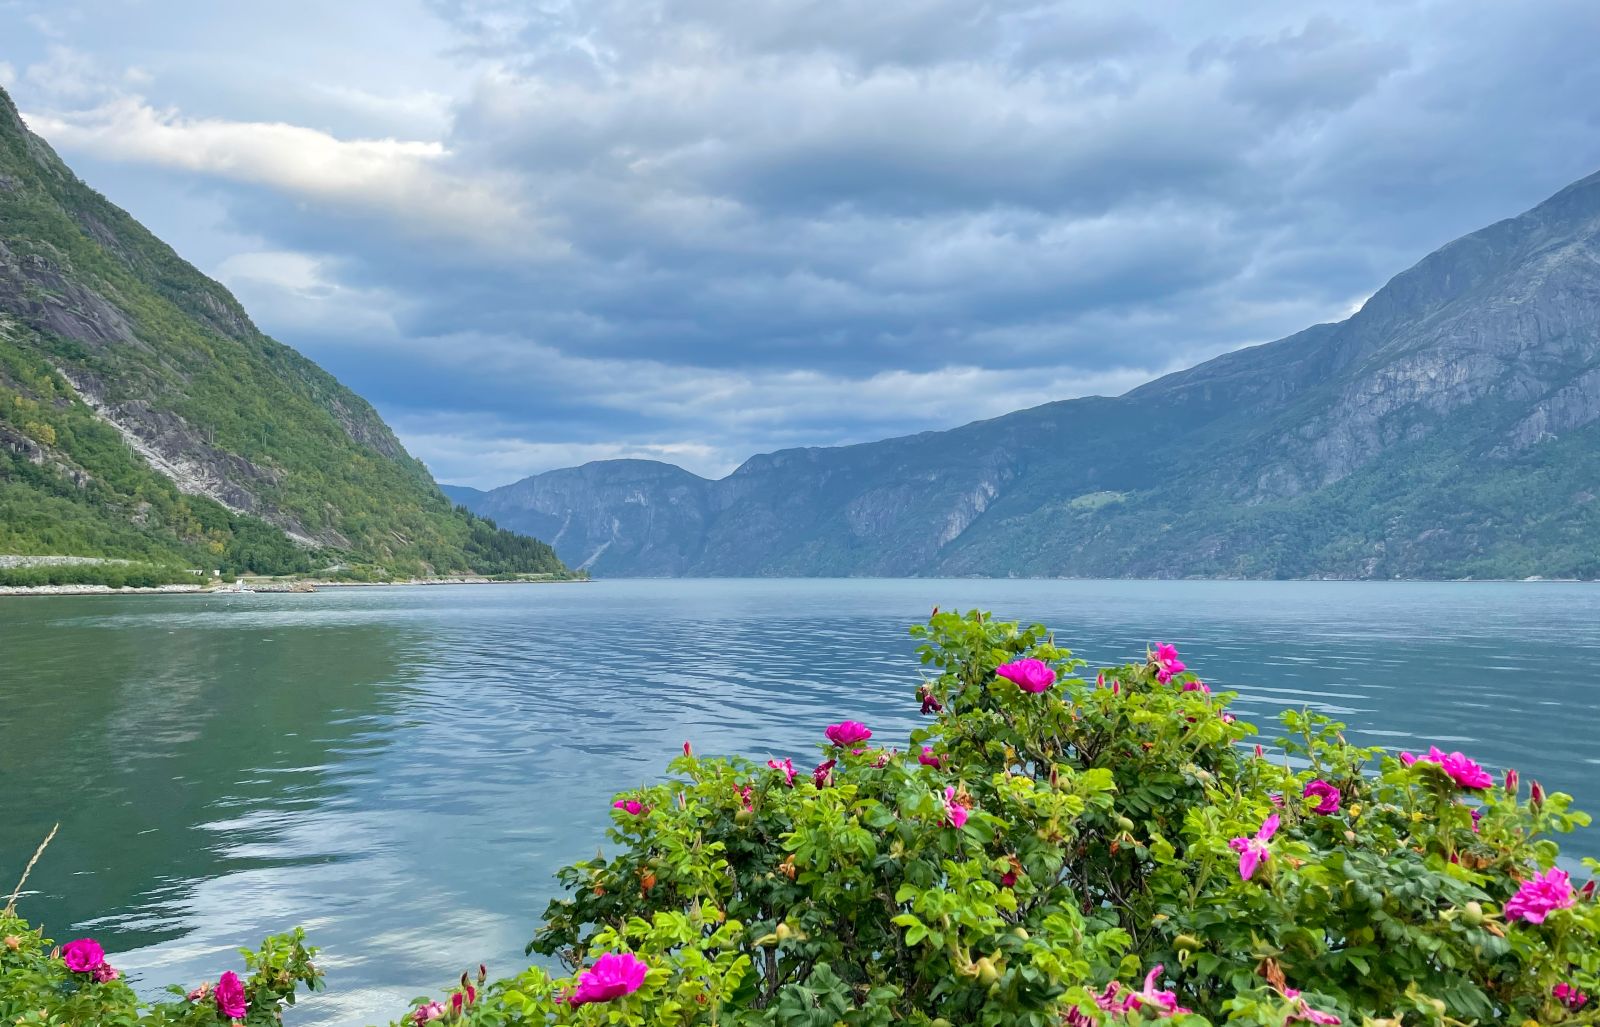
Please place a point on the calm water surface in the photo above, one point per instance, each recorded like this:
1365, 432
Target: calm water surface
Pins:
401, 770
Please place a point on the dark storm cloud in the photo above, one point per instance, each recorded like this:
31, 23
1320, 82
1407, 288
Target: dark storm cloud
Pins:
696, 229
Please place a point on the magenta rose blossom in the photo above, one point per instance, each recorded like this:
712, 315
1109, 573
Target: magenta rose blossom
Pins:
1326, 793
1030, 675
83, 955
1538, 898
1457, 767
613, 975
786, 768
955, 813
631, 806
230, 996
928, 758
847, 733
1253, 851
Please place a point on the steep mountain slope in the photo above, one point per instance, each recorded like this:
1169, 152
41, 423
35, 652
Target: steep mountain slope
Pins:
1450, 428
143, 416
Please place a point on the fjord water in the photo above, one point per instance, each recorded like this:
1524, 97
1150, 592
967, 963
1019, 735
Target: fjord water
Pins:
401, 770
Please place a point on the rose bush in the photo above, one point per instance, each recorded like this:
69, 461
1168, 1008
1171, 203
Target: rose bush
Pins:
74, 985
1048, 849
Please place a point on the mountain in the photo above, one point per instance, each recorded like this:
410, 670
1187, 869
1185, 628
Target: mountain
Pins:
1450, 428
144, 417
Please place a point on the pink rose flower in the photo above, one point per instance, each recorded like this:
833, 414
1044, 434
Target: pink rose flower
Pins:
613, 975
1253, 851
1326, 793
425, 1014
928, 759
1162, 1003
231, 1002
1030, 675
786, 768
1541, 896
847, 733
83, 955
1457, 767
632, 806
955, 813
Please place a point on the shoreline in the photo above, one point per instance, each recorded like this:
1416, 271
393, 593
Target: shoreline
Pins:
275, 587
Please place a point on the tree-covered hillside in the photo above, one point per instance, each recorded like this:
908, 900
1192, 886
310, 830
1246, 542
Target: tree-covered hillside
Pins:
143, 415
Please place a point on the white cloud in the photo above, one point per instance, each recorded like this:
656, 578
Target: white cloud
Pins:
409, 182
8, 75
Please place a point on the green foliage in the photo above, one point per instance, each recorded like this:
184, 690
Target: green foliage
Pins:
129, 575
1092, 851
1098, 848
36, 987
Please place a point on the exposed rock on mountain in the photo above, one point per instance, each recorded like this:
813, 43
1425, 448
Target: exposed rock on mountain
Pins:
143, 416
1450, 428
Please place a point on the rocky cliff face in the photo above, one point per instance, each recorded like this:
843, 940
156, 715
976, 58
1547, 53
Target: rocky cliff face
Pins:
142, 413
1447, 429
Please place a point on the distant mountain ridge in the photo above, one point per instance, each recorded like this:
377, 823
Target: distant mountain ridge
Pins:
1450, 428
143, 416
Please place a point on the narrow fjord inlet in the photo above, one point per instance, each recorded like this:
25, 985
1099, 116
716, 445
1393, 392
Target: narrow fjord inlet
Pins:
691, 513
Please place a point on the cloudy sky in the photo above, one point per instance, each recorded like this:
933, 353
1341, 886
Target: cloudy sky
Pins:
540, 233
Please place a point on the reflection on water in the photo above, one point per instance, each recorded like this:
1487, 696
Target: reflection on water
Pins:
400, 770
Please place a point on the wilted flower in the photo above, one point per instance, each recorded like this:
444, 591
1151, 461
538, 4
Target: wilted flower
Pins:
928, 759
1326, 793
847, 733
1541, 896
929, 703
1030, 675
230, 996
955, 813
105, 972
427, 1013
1569, 996
199, 994
1162, 1003
1477, 815
786, 768
83, 955
1303, 1011
613, 975
1253, 851
823, 774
